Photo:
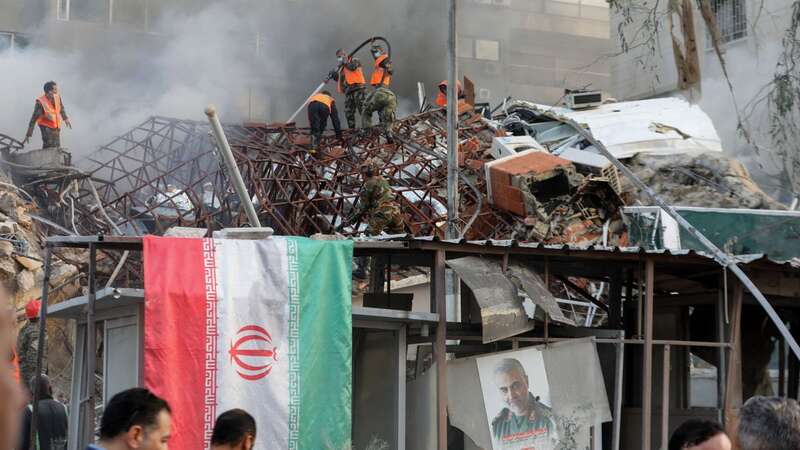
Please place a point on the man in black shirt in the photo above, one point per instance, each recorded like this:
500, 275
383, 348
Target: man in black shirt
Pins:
52, 423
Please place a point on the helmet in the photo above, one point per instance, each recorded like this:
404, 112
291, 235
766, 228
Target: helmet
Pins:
32, 309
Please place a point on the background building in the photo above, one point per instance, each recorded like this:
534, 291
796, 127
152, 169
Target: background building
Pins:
750, 34
533, 49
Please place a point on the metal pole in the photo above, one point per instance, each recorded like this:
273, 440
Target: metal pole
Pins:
647, 373
91, 345
721, 257
618, 380
452, 127
440, 349
665, 400
233, 169
40, 349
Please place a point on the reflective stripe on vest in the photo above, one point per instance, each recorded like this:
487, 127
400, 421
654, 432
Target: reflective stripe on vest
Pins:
378, 73
322, 98
52, 111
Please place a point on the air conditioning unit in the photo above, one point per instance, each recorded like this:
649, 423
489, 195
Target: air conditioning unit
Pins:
583, 100
511, 145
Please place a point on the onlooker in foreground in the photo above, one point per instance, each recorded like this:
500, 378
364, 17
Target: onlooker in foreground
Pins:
135, 419
51, 428
10, 390
769, 423
696, 434
234, 430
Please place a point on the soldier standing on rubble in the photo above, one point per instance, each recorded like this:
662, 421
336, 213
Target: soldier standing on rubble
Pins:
320, 106
383, 101
350, 82
377, 201
48, 113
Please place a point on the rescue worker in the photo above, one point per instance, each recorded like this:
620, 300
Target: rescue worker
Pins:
350, 81
382, 100
48, 113
441, 97
377, 201
28, 341
382, 71
320, 106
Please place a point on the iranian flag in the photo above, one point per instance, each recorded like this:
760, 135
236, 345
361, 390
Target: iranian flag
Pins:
261, 325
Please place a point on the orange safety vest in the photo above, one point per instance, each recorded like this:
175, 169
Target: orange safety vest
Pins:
322, 98
378, 73
441, 98
15, 365
52, 112
351, 78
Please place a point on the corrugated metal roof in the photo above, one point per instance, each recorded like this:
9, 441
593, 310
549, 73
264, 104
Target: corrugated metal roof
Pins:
600, 249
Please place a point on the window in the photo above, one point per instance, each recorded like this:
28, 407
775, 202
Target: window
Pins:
127, 13
731, 19
89, 10
9, 42
487, 50
466, 47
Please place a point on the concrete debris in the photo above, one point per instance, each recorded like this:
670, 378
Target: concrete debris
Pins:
525, 175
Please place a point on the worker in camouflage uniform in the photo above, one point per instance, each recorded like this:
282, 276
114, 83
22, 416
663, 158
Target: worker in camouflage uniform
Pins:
377, 201
382, 100
28, 342
525, 423
350, 81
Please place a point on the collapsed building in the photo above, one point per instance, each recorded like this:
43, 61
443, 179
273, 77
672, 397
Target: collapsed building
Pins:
525, 174
530, 187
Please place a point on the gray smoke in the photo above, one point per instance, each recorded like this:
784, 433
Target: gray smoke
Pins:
253, 61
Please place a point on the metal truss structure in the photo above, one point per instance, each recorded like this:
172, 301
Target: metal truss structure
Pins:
165, 172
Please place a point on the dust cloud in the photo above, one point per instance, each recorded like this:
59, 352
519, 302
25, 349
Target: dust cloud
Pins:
253, 60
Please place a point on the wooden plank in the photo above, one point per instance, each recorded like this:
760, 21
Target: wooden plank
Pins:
733, 386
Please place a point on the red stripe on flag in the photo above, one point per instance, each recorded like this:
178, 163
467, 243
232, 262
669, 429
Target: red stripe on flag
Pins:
180, 334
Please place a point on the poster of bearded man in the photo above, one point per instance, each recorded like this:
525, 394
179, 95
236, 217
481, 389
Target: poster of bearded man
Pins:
516, 394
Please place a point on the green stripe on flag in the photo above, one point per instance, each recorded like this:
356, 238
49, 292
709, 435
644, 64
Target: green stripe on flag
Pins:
325, 278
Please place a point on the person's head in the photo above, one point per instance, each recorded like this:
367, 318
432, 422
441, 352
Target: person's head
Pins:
234, 430
341, 56
697, 434
136, 419
769, 423
512, 382
369, 168
376, 50
32, 309
325, 92
10, 389
43, 383
51, 88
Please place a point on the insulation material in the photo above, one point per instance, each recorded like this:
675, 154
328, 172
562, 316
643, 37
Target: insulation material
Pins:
502, 313
530, 282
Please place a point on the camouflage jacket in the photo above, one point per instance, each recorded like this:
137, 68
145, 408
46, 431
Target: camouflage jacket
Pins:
376, 194
27, 346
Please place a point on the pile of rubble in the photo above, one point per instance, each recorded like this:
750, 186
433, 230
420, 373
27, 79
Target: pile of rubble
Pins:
526, 174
